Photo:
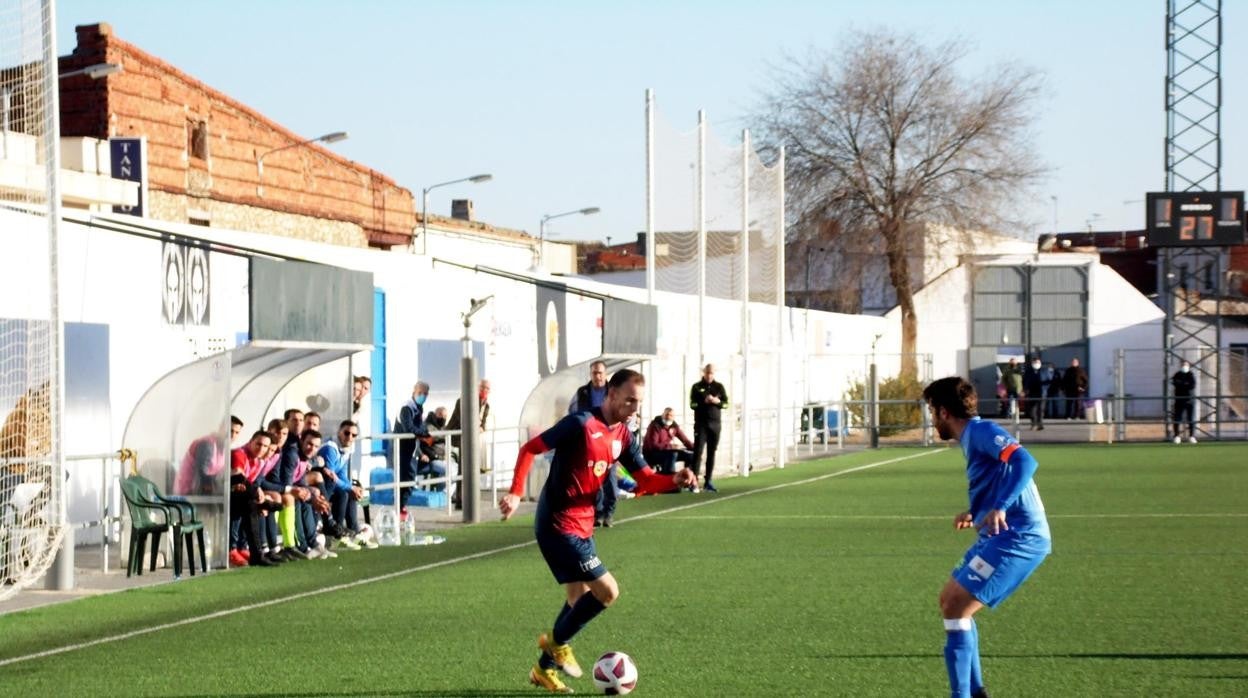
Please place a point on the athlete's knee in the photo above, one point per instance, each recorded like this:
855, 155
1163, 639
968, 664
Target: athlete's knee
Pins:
607, 591
954, 600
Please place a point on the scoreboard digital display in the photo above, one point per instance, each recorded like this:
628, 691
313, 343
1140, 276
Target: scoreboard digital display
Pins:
1195, 218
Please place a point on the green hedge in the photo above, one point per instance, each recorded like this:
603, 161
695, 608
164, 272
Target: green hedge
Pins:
894, 418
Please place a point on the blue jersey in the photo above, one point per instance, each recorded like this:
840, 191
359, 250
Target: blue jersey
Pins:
996, 483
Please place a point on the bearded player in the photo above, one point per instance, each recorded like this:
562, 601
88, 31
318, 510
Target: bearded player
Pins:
585, 444
1005, 509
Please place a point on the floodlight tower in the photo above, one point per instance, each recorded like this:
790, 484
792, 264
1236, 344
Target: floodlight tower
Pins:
1193, 150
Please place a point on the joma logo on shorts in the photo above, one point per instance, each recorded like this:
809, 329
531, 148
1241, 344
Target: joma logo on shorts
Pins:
591, 563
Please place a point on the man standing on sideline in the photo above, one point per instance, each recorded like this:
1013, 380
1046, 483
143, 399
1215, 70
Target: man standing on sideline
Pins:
585, 444
1006, 511
707, 399
1012, 377
1075, 385
1184, 384
587, 397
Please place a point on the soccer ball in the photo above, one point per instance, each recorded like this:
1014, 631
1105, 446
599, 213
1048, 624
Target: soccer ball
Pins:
615, 674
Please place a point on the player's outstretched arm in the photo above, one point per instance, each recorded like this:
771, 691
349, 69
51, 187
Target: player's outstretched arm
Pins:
508, 504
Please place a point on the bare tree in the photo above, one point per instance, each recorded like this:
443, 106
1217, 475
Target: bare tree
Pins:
885, 138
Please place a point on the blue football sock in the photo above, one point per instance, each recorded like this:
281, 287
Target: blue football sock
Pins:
977, 671
959, 655
571, 622
545, 661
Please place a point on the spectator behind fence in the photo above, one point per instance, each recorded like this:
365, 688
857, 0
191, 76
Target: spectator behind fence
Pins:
1053, 394
1034, 386
663, 442
411, 420
1184, 384
1012, 378
1075, 385
432, 449
453, 424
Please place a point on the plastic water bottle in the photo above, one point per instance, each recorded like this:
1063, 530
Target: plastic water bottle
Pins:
385, 528
409, 530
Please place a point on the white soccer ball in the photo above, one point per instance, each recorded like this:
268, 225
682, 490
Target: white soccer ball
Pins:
615, 674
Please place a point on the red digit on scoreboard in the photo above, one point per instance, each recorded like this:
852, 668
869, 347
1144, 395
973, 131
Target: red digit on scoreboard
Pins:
1187, 228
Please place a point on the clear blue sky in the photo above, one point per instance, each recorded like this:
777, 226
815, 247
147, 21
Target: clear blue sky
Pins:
548, 95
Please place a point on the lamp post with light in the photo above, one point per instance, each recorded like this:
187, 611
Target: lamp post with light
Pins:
327, 138
424, 198
541, 229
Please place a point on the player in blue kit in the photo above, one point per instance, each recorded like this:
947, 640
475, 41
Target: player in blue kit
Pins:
1005, 509
585, 444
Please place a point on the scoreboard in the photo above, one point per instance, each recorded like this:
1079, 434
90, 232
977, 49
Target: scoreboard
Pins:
1195, 218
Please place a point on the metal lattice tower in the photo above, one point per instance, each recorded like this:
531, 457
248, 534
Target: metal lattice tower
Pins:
1194, 163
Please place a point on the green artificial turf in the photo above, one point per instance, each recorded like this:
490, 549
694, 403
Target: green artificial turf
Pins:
799, 585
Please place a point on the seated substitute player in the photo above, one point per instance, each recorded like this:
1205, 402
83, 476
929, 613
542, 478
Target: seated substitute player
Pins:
1005, 509
585, 445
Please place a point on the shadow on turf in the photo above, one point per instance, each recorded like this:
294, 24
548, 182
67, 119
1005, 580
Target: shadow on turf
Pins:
465, 693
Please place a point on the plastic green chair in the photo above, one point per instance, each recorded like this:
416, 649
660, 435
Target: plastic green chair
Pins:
146, 518
186, 525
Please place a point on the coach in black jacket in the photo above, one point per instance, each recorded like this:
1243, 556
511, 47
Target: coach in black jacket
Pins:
707, 398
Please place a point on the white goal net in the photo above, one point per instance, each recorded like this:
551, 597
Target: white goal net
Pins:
32, 511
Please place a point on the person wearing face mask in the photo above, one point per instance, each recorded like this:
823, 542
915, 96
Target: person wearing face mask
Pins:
1184, 384
411, 420
1034, 386
663, 442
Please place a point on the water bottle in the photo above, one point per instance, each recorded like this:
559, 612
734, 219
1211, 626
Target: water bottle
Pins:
385, 527
409, 530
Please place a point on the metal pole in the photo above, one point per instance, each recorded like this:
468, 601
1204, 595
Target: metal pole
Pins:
745, 302
650, 193
874, 406
471, 494
1120, 383
701, 222
61, 576
781, 314
424, 221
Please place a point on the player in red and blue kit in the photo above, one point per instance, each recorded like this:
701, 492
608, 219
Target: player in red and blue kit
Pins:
1005, 509
585, 444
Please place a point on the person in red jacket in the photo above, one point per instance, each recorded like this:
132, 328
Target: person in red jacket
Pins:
664, 441
585, 445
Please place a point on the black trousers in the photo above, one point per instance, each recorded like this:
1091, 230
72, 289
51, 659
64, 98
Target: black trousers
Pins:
705, 440
1184, 413
243, 510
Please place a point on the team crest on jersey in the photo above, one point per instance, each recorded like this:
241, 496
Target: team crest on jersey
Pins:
600, 467
616, 447
999, 440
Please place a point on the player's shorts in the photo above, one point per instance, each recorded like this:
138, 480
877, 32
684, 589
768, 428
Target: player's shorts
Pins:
570, 558
994, 567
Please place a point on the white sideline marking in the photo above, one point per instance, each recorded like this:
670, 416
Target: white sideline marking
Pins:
937, 517
711, 499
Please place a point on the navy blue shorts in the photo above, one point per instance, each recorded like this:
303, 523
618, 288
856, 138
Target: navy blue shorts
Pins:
570, 558
994, 567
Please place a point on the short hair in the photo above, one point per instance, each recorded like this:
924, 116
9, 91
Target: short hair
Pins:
346, 423
263, 433
236, 420
624, 376
955, 394
598, 362
310, 434
276, 425
292, 411
310, 415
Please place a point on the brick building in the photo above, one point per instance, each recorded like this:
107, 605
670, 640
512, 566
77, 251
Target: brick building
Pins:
203, 151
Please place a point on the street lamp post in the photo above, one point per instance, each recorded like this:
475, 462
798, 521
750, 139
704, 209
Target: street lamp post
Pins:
424, 199
541, 229
327, 138
94, 72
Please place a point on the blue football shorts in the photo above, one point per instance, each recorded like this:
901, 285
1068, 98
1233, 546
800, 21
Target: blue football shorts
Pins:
570, 558
994, 567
